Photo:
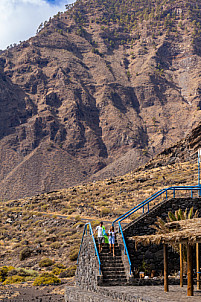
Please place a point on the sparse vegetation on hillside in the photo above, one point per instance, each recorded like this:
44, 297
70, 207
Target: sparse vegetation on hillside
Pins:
27, 226
46, 279
118, 18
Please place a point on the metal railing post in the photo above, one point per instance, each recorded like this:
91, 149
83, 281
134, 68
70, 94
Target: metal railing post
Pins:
199, 154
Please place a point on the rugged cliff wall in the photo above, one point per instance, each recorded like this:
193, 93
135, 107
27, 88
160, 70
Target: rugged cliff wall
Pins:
101, 89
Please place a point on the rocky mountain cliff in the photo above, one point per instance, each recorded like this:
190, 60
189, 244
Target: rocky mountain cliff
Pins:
101, 89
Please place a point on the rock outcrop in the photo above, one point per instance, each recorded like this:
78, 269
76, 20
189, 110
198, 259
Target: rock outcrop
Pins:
96, 93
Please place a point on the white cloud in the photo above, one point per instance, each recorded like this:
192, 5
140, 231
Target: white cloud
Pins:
19, 19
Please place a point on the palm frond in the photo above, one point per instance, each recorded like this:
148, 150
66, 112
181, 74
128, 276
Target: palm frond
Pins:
196, 214
177, 215
185, 214
181, 214
190, 213
171, 216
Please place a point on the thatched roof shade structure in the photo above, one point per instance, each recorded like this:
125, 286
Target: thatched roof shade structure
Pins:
183, 231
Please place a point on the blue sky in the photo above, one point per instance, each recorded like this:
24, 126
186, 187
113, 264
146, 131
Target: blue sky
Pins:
19, 19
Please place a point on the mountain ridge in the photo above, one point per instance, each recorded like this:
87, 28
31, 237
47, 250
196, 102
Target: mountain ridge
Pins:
102, 85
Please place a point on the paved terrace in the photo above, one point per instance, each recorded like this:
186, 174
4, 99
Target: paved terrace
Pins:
132, 294
154, 293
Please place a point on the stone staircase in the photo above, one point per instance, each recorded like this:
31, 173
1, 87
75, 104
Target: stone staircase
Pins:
113, 272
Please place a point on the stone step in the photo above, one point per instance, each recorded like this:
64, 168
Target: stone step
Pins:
110, 262
113, 273
113, 279
112, 282
118, 265
106, 250
117, 270
114, 276
106, 246
107, 255
110, 258
116, 273
111, 269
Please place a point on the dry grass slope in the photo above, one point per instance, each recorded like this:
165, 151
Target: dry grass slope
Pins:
32, 228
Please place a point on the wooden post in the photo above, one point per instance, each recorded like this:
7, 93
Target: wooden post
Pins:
190, 270
165, 257
198, 265
181, 265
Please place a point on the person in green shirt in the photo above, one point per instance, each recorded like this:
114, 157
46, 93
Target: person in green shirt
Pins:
105, 235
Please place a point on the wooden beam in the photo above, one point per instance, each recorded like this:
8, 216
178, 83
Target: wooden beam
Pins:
181, 265
165, 257
190, 270
198, 266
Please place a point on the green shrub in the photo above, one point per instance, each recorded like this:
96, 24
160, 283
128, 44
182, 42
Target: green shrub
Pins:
55, 245
4, 272
105, 211
57, 271
69, 272
13, 272
95, 223
46, 278
77, 218
73, 255
25, 253
14, 279
46, 262
59, 265
23, 272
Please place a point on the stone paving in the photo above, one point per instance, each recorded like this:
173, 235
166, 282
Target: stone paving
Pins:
131, 294
156, 293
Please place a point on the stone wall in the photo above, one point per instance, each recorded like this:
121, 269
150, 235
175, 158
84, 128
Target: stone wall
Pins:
153, 255
87, 273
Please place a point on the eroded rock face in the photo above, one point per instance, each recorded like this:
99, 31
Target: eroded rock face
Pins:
73, 107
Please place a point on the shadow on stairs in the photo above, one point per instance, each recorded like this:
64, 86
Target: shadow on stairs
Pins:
113, 272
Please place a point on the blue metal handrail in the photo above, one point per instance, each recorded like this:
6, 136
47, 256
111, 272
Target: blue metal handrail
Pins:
134, 207
125, 246
94, 241
154, 196
146, 202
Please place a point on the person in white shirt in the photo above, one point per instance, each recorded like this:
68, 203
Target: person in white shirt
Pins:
111, 239
101, 238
